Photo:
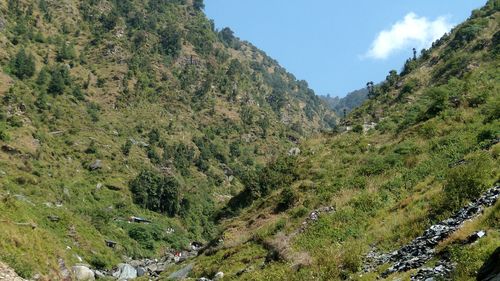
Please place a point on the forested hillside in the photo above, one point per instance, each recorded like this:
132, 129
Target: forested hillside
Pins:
348, 103
118, 109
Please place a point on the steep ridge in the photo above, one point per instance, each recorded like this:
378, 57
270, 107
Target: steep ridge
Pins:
420, 149
126, 126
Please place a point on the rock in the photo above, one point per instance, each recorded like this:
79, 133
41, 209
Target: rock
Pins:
294, 151
64, 273
476, 236
53, 218
96, 165
99, 274
82, 273
8, 274
218, 276
110, 243
183, 273
141, 271
203, 279
490, 271
125, 272
421, 249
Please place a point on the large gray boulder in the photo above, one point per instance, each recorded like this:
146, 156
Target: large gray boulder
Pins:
125, 272
82, 273
181, 274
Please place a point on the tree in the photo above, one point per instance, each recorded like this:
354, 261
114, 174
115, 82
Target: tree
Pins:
156, 192
392, 78
65, 52
23, 65
198, 4
59, 80
170, 41
371, 89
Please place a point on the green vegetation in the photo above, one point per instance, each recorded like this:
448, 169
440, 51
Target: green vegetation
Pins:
117, 109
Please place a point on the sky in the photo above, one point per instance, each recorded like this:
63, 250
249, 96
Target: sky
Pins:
337, 46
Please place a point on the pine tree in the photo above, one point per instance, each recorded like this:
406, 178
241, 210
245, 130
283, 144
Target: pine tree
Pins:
23, 65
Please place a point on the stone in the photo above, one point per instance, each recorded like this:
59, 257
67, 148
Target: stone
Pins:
490, 271
141, 271
476, 236
218, 276
82, 273
99, 274
182, 273
294, 151
421, 249
96, 165
125, 272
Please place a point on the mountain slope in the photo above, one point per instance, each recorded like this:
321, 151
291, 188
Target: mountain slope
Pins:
348, 103
119, 109
410, 158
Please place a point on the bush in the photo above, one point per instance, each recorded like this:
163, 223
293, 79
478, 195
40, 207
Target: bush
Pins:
288, 199
126, 147
438, 101
357, 128
141, 234
467, 182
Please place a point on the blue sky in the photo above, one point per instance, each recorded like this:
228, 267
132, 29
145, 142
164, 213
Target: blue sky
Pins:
337, 46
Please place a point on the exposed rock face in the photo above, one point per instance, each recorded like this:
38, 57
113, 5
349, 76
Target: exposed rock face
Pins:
82, 273
421, 249
490, 271
7, 273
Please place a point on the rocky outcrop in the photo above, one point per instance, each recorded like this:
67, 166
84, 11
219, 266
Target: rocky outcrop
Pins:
7, 273
421, 249
490, 271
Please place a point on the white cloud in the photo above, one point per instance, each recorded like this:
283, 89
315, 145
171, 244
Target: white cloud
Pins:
412, 32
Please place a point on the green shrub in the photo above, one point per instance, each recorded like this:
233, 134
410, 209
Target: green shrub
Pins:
467, 182
357, 128
288, 198
126, 147
142, 235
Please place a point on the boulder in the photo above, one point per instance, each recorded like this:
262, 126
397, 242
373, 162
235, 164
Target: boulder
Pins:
96, 165
181, 274
218, 276
125, 272
82, 273
141, 271
490, 271
476, 236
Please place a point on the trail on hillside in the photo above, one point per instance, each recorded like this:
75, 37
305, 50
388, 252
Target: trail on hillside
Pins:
422, 249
